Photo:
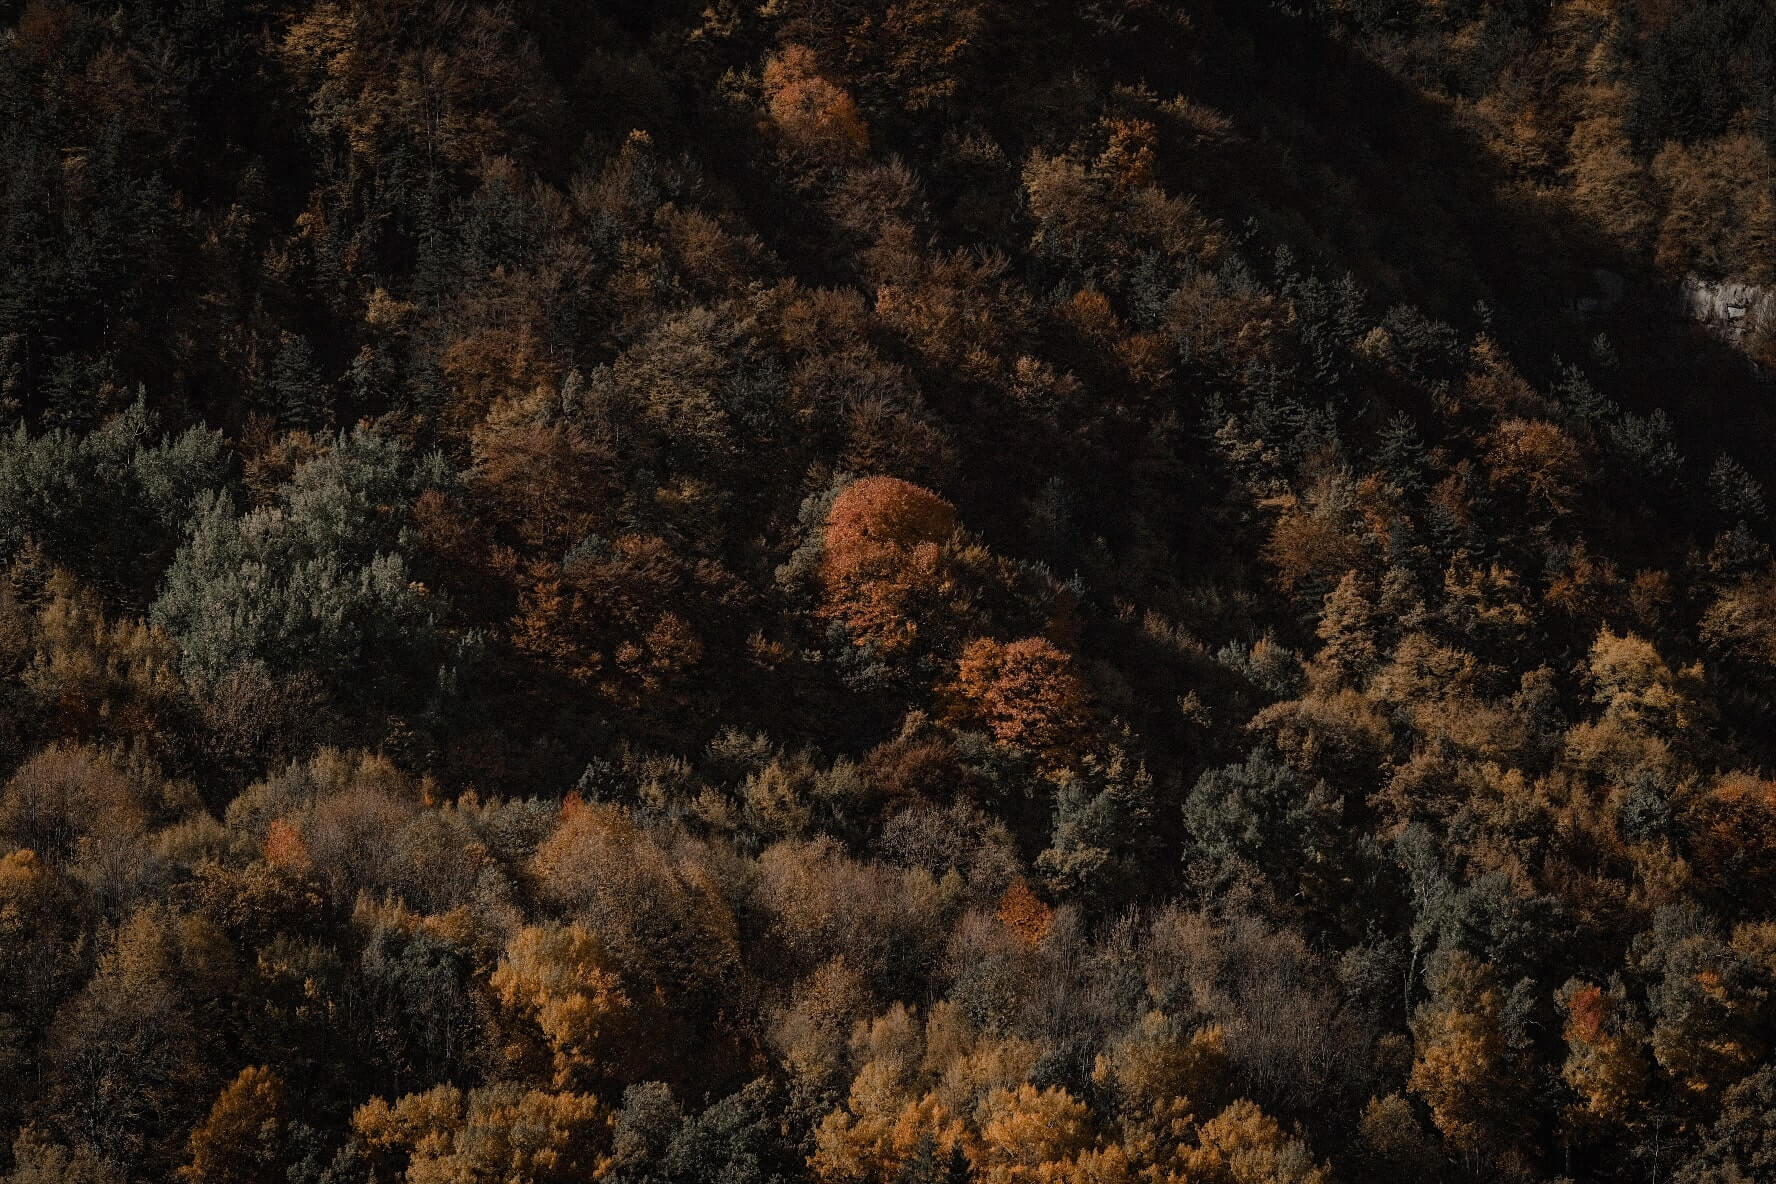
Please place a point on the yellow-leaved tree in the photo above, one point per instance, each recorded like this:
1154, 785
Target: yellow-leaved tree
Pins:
558, 980
500, 1132
241, 1140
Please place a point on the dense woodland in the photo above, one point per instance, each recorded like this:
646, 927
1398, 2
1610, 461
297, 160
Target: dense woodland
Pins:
1018, 591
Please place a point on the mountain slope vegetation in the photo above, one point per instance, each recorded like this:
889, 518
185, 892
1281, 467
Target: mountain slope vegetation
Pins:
886, 593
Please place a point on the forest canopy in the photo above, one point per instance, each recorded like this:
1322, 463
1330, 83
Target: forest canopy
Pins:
877, 592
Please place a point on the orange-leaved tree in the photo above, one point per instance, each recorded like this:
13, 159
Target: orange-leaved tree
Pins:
1025, 692
815, 115
884, 556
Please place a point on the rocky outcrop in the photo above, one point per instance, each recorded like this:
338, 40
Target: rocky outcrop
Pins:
1729, 308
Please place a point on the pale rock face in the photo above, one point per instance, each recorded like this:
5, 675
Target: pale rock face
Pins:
1730, 308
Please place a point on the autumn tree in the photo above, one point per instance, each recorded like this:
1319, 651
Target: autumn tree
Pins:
814, 115
1027, 1133
1242, 1144
662, 919
241, 1140
39, 1160
1703, 1000
1733, 827
41, 961
883, 559
1026, 692
1540, 463
1466, 1069
504, 1132
558, 979
1740, 1143
127, 1069
1606, 1063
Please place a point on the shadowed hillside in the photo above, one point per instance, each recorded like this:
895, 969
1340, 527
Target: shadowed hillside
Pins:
886, 593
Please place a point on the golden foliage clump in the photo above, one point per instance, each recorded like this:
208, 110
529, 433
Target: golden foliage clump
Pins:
1025, 1130
1465, 1069
240, 1140
1129, 158
99, 673
814, 115
1609, 182
1160, 1069
1638, 687
1606, 1062
1540, 461
1735, 843
1742, 620
559, 978
1024, 914
1244, 1145
658, 914
1720, 215
500, 1132
933, 1083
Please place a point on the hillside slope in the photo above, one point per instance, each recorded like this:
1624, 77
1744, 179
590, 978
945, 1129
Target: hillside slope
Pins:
887, 592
